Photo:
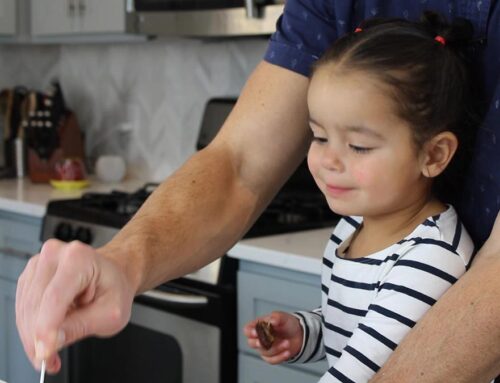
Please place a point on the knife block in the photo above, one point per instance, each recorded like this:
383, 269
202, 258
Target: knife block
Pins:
70, 146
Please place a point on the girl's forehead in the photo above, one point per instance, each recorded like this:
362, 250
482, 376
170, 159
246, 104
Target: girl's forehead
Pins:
350, 89
354, 98
332, 74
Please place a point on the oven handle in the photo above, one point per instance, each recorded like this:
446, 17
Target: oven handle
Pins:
176, 298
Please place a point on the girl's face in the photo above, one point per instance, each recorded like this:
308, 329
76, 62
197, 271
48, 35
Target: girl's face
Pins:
362, 156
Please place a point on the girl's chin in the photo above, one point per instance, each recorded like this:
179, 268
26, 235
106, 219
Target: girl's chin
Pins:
344, 209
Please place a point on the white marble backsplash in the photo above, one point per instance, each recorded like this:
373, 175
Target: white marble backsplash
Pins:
143, 101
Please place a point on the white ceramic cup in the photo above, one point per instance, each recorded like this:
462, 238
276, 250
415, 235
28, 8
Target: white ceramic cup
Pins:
110, 168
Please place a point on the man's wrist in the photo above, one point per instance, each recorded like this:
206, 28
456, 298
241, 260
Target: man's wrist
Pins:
130, 265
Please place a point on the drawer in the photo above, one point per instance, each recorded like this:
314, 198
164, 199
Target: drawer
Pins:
260, 294
254, 370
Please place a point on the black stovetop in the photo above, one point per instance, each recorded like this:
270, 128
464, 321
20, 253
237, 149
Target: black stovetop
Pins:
289, 211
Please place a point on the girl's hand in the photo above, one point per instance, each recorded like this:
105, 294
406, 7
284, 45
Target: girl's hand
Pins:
288, 335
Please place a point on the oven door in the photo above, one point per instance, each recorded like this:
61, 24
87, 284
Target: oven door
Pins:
155, 347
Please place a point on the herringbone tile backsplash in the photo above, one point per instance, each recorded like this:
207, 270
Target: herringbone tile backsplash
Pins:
143, 101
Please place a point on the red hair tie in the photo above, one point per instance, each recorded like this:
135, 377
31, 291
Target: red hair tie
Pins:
440, 39
358, 30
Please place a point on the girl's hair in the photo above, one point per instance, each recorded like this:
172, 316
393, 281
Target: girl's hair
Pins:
428, 79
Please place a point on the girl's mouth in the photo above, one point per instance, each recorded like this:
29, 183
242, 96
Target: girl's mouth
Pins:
337, 191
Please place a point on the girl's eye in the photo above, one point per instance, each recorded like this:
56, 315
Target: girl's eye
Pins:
320, 140
359, 149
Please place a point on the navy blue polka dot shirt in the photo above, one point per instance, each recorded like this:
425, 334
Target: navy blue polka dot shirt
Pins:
308, 27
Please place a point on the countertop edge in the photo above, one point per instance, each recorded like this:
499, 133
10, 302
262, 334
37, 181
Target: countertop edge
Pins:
22, 207
284, 260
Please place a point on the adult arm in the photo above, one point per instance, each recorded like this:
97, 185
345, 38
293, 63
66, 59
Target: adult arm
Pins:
457, 341
70, 291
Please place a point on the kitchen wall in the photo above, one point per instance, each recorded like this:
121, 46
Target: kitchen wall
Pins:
143, 101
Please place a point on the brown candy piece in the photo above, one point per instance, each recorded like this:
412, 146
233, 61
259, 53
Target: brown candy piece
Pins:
265, 332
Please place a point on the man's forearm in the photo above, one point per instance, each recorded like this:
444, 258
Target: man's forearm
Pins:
187, 222
458, 340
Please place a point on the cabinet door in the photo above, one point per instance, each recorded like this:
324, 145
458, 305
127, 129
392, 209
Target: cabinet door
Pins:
8, 17
97, 16
19, 235
52, 17
14, 365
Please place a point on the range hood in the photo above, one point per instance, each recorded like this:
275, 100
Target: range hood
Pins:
203, 18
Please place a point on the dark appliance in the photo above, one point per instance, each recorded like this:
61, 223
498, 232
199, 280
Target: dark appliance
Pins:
184, 331
203, 18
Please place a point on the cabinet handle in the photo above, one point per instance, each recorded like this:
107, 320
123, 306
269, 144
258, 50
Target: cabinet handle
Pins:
251, 9
82, 6
15, 253
71, 6
168, 297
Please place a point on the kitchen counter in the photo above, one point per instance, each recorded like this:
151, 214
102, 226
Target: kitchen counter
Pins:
24, 197
300, 251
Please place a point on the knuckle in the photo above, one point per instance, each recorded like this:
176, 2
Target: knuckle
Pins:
75, 253
50, 246
117, 317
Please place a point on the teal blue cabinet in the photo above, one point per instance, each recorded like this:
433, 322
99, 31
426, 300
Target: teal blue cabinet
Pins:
19, 239
262, 289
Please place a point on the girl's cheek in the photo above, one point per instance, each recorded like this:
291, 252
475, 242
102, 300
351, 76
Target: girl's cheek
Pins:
362, 176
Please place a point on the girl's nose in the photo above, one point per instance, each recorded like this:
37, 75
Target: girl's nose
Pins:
332, 159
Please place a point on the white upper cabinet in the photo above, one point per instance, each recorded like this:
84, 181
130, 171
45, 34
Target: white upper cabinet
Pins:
68, 17
8, 17
53, 17
102, 16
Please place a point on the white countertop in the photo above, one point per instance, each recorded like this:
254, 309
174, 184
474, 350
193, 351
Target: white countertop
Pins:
301, 251
24, 197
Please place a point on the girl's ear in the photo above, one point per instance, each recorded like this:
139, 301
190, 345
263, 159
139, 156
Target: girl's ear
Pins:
438, 152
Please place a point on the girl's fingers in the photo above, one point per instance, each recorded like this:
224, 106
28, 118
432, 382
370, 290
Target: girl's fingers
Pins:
253, 343
249, 330
278, 358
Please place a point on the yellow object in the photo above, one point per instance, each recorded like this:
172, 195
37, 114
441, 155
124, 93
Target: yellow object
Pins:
69, 185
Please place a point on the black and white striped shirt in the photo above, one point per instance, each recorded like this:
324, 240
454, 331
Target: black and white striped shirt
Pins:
369, 304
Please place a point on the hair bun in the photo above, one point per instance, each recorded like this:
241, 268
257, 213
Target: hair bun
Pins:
459, 32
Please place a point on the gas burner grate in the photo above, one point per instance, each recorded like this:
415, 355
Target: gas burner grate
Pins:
117, 201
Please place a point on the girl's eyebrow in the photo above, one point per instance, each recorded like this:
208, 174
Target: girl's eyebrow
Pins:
364, 130
313, 121
355, 129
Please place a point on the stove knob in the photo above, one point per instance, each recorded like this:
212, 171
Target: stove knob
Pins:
84, 235
64, 232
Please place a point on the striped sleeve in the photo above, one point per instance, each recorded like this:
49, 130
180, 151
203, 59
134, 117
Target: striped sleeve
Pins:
410, 288
313, 348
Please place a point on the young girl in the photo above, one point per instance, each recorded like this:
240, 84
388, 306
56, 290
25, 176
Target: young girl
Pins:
387, 107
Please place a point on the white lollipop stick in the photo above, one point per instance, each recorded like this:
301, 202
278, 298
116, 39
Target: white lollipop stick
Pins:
42, 372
